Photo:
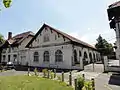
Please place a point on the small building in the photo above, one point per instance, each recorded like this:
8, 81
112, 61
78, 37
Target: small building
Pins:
51, 48
114, 18
14, 47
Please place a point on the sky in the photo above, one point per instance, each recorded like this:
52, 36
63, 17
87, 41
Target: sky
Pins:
83, 19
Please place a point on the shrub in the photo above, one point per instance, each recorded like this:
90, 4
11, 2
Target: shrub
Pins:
36, 72
59, 78
87, 85
80, 82
45, 72
52, 75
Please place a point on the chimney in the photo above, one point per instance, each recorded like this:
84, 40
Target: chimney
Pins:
9, 35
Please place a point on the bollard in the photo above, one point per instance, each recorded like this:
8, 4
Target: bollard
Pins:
70, 78
93, 83
83, 75
35, 71
75, 82
48, 74
62, 76
28, 71
70, 72
54, 73
44, 74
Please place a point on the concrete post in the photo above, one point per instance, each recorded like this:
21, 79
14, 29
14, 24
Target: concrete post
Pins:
83, 75
28, 71
70, 78
105, 63
93, 83
54, 73
48, 74
62, 76
75, 82
81, 63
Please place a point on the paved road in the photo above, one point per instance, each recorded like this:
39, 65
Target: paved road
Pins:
103, 80
12, 72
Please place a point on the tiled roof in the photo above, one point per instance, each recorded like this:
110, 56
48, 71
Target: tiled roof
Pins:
70, 37
17, 39
20, 37
62, 33
116, 4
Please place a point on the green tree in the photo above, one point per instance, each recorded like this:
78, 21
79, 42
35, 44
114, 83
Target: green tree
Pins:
103, 46
1, 42
6, 3
1, 39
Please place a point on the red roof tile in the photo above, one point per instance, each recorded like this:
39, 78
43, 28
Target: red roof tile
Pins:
17, 39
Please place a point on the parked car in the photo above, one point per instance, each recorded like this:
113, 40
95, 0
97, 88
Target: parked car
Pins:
10, 65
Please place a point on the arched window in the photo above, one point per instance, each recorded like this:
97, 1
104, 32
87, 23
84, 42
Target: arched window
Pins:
58, 56
80, 54
94, 55
90, 55
85, 55
36, 57
75, 56
46, 56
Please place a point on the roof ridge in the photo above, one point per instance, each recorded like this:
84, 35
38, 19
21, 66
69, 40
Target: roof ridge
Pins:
115, 3
22, 33
69, 36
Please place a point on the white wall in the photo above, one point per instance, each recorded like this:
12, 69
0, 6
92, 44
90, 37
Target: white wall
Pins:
67, 54
118, 40
16, 50
39, 40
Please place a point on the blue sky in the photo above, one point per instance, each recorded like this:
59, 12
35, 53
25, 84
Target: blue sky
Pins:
83, 19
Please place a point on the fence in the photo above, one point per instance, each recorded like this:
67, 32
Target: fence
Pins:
78, 83
110, 65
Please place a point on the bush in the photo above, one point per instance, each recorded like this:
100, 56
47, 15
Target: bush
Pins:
59, 78
45, 72
52, 75
80, 82
36, 72
87, 85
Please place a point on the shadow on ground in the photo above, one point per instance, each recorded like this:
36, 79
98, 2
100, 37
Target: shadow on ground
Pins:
25, 68
115, 79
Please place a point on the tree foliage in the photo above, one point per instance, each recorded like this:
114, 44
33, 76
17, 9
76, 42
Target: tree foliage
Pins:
7, 3
1, 39
103, 46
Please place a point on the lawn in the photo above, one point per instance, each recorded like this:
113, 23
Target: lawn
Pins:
30, 83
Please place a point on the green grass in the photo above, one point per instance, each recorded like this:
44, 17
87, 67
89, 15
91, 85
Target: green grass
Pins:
30, 83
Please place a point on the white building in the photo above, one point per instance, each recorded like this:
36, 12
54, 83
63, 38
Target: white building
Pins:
54, 49
14, 47
114, 18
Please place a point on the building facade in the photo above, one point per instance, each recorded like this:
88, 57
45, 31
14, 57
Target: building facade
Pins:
14, 46
114, 18
52, 48
55, 49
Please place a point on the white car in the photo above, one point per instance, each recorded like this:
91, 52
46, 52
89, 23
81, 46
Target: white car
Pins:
10, 65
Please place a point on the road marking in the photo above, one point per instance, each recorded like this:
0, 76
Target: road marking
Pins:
105, 85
